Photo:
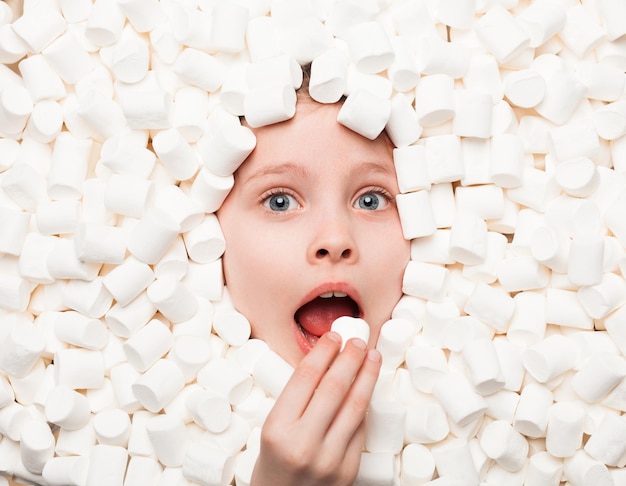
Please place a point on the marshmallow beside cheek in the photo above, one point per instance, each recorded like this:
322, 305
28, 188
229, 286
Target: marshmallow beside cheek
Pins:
351, 327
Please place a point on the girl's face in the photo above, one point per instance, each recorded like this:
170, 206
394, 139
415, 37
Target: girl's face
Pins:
312, 231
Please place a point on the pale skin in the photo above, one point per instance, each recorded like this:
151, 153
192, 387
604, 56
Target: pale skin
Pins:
312, 212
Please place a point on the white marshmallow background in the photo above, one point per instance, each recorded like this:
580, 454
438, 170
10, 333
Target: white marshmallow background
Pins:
121, 361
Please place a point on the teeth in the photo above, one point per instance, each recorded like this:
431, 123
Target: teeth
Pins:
328, 295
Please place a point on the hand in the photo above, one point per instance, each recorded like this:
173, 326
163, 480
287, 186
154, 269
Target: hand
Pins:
315, 433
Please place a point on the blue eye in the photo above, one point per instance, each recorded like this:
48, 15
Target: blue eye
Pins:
280, 202
370, 201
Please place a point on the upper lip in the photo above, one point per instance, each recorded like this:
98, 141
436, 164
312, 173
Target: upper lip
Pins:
342, 287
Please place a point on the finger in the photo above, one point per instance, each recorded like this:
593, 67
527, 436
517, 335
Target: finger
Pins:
305, 379
353, 409
334, 387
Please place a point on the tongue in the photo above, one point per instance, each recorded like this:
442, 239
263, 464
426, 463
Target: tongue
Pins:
317, 316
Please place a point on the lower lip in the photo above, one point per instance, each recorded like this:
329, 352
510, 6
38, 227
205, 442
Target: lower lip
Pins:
304, 344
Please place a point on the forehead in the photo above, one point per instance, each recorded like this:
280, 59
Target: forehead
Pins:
313, 136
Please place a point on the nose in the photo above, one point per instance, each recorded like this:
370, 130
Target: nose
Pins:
333, 241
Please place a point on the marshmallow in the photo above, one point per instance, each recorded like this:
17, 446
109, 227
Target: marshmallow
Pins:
227, 148
585, 260
266, 105
475, 153
501, 34
581, 469
117, 150
271, 372
45, 122
68, 58
99, 243
205, 243
468, 237
208, 465
79, 368
141, 469
225, 378
20, 350
580, 32
370, 47
14, 230
184, 210
603, 298
351, 327
169, 438
565, 428
37, 27
609, 120
385, 425
604, 444
190, 112
62, 261
112, 427
377, 468
210, 190
543, 469
232, 326
453, 460
435, 56
528, 323
199, 69
159, 385
128, 279
107, 464
522, 273
16, 105
418, 465
40, 80
574, 139
402, 127
173, 299
394, 339
208, 411
445, 162
487, 270
416, 214
548, 359
531, 414
57, 217
145, 104
490, 304
36, 445
425, 424
524, 88
76, 442
563, 93
456, 395
365, 113
24, 185
151, 237
66, 471
598, 376
481, 361
563, 307
503, 444
175, 153
75, 328
175, 262
411, 169
123, 321
434, 99
148, 344
425, 280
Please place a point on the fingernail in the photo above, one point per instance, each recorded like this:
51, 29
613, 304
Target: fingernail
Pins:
374, 355
333, 336
359, 343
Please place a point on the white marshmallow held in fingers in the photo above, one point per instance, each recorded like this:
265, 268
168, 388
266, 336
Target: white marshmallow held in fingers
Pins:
151, 237
175, 153
351, 327
365, 113
227, 148
159, 385
66, 471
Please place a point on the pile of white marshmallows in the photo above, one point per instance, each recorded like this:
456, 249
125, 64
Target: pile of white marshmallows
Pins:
121, 360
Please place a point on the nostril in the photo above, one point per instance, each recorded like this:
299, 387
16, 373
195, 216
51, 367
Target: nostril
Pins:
346, 253
322, 253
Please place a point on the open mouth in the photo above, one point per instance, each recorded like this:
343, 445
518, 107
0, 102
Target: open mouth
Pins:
316, 316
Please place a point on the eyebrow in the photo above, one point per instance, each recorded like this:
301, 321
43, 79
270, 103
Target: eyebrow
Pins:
296, 170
